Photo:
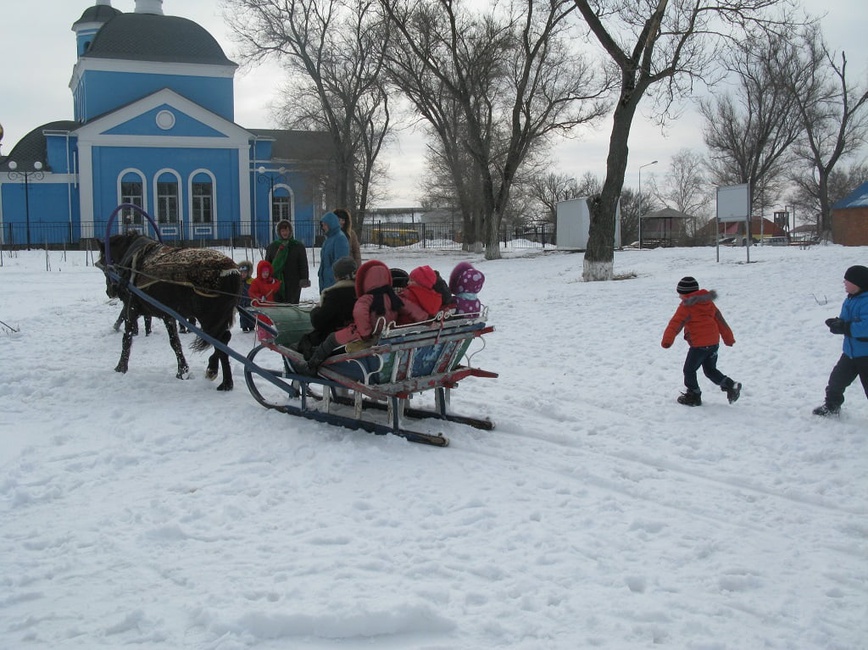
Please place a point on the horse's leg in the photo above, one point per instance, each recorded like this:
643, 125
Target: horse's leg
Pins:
127, 341
211, 370
147, 325
227, 384
177, 348
213, 360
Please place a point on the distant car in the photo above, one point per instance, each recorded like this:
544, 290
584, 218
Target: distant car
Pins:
396, 236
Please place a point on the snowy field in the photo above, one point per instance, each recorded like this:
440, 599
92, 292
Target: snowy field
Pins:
142, 511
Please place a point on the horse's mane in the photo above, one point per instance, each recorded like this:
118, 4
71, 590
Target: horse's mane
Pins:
137, 244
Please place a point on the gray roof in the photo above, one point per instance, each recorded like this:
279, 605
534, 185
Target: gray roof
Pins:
149, 37
298, 145
858, 198
31, 147
666, 213
97, 14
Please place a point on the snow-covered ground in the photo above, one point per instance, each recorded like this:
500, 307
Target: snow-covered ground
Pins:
140, 510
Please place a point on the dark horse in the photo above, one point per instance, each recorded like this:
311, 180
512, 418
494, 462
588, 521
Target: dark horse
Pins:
197, 283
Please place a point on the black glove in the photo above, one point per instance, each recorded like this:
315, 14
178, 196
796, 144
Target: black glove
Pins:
838, 326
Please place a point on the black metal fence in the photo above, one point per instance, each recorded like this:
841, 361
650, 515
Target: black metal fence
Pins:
444, 236
379, 234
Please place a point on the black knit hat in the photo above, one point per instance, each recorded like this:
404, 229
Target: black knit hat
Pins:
858, 275
345, 267
688, 284
400, 278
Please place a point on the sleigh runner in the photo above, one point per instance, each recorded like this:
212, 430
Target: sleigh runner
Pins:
380, 375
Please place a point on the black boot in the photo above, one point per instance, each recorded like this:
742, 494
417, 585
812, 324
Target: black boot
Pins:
827, 410
690, 398
320, 354
732, 389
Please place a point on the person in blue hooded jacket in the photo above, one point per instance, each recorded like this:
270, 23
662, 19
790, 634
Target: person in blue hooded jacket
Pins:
853, 324
335, 246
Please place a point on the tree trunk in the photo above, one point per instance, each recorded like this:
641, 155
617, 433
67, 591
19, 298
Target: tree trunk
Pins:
600, 255
492, 237
825, 207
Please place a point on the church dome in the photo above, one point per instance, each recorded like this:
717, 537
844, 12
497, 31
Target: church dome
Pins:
150, 37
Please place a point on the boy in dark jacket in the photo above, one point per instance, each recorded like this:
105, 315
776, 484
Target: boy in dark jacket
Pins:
335, 309
703, 326
853, 324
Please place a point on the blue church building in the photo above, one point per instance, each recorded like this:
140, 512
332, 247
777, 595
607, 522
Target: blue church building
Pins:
153, 125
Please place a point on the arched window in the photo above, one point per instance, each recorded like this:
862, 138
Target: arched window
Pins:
167, 198
132, 190
202, 199
281, 204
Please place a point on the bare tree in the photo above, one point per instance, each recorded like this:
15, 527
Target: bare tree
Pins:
450, 181
334, 51
833, 113
509, 74
450, 161
805, 201
750, 132
632, 207
685, 188
660, 47
549, 189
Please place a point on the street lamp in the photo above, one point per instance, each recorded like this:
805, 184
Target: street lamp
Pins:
15, 175
266, 177
653, 162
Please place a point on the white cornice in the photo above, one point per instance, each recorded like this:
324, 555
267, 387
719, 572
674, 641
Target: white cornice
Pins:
85, 64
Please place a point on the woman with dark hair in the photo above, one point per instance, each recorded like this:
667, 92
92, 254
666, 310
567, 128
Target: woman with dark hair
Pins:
346, 221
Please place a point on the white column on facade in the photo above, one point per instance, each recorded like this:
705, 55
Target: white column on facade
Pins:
244, 189
85, 196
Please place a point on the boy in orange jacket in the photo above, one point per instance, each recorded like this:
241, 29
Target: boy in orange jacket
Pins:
703, 326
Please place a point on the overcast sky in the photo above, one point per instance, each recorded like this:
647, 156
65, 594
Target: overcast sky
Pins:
39, 53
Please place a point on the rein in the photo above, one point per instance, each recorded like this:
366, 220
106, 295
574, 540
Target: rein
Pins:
205, 293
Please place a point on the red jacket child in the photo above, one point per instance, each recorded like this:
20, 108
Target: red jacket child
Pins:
264, 287
703, 326
421, 300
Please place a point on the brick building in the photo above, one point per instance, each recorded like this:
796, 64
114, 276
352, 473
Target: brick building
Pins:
850, 218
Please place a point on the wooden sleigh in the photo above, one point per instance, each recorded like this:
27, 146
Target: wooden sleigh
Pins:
372, 376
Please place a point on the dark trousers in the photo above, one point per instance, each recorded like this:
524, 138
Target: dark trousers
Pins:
705, 358
843, 374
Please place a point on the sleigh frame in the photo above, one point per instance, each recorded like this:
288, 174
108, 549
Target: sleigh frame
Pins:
368, 377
